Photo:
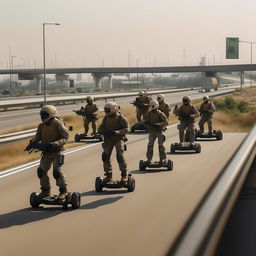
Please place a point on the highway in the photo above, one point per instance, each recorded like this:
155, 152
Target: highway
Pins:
144, 222
21, 118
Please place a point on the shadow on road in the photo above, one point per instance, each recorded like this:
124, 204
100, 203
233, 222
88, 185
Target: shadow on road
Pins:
104, 192
100, 202
27, 215
182, 153
148, 171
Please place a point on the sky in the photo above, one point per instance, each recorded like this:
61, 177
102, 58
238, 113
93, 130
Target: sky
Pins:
124, 32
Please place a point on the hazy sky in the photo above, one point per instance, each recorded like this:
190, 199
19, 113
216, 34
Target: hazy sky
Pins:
97, 32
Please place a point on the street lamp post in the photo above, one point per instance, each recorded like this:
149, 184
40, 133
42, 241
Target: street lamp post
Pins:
251, 43
10, 89
44, 24
138, 72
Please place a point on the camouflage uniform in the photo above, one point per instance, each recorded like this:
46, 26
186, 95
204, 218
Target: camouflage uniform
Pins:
111, 123
142, 110
54, 131
156, 117
206, 112
89, 111
184, 112
165, 108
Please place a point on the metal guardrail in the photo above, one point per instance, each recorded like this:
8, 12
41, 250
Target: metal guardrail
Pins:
13, 137
203, 230
5, 104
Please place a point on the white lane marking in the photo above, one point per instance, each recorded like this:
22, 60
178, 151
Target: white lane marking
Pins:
27, 166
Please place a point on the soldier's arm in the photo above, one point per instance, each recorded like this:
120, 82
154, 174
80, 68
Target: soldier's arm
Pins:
164, 121
37, 137
124, 126
195, 112
64, 134
96, 108
102, 126
213, 108
177, 111
167, 110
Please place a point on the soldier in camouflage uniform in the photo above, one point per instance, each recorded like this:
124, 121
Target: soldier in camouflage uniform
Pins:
163, 106
53, 134
206, 110
156, 121
187, 113
114, 126
90, 115
142, 105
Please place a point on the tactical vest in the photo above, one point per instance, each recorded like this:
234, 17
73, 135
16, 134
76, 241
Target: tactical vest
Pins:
50, 133
89, 109
113, 123
206, 106
155, 117
187, 109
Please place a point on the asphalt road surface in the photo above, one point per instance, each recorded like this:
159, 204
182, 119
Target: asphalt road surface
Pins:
21, 118
143, 222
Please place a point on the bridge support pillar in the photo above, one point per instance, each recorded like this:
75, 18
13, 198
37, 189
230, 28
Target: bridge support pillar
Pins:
97, 78
110, 85
39, 85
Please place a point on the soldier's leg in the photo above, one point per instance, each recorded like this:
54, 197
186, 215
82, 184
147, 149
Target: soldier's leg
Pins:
151, 140
59, 176
42, 173
209, 122
138, 115
182, 128
94, 127
106, 155
121, 161
191, 130
201, 124
161, 147
86, 126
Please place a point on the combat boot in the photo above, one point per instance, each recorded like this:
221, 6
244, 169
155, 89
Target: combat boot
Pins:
63, 193
108, 177
44, 193
124, 177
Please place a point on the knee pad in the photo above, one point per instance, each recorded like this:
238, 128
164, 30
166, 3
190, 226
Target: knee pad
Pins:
40, 173
56, 174
105, 157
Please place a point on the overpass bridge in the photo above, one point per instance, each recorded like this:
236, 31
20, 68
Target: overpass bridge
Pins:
211, 72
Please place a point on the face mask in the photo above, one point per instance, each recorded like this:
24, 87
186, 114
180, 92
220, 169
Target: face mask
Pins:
186, 102
44, 115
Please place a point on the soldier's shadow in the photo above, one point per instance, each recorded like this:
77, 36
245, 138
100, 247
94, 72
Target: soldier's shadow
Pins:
27, 215
182, 153
100, 202
147, 171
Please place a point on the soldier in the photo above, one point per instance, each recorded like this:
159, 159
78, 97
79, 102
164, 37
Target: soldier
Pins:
53, 134
90, 113
163, 106
114, 126
142, 105
187, 113
206, 110
156, 121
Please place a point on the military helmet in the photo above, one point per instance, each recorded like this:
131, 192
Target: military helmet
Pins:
89, 98
47, 112
206, 98
110, 107
141, 93
160, 97
153, 104
186, 99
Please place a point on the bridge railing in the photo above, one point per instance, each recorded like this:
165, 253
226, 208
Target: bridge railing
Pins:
203, 230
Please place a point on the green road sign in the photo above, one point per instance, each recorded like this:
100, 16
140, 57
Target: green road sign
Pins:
232, 48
